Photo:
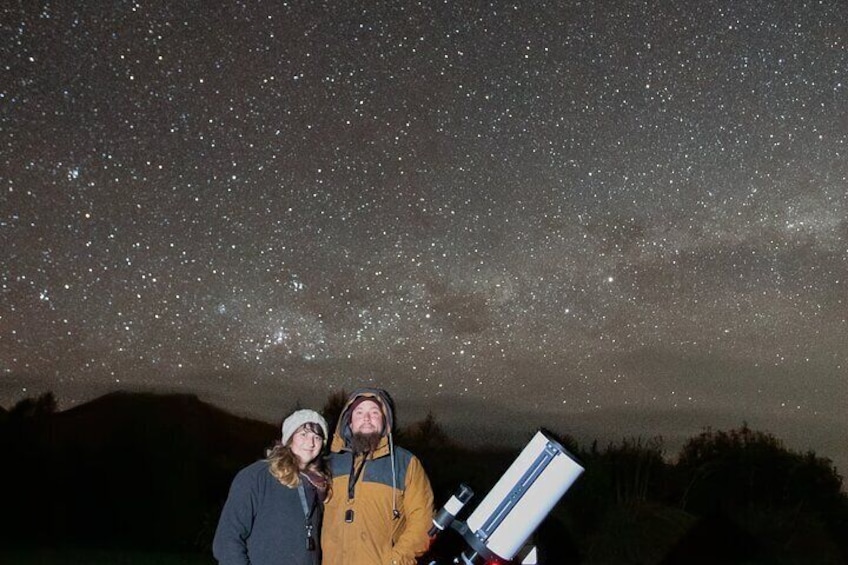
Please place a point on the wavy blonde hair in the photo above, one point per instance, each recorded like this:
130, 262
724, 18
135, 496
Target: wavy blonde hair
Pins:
285, 466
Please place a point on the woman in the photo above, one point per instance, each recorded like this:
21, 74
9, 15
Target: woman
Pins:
273, 512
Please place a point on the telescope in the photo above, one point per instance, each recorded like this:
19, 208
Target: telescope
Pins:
502, 523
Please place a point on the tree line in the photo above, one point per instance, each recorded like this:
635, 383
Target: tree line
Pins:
152, 471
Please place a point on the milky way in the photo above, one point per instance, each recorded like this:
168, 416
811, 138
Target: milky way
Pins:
610, 218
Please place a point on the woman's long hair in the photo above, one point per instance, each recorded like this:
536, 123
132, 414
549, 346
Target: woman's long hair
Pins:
285, 466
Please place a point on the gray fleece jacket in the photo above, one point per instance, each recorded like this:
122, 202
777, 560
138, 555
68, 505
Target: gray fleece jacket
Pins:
263, 522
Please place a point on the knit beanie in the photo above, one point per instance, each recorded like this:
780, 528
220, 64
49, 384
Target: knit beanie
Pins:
300, 417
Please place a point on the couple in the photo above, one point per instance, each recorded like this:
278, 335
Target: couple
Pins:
376, 500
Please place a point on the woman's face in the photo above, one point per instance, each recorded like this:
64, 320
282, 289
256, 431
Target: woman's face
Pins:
306, 445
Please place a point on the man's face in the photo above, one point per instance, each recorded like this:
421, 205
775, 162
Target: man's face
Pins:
367, 418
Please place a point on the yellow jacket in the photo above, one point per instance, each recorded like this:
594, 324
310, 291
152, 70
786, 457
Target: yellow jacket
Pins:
384, 517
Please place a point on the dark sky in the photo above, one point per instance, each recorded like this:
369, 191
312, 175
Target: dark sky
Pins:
614, 219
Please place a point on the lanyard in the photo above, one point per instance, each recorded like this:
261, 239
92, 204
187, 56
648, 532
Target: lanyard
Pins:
307, 512
354, 476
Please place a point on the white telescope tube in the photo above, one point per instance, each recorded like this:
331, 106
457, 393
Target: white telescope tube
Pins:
523, 496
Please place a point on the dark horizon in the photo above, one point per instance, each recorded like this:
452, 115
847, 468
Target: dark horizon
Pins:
507, 434
148, 472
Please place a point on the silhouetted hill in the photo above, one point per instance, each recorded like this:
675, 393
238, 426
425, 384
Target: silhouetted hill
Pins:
151, 471
179, 421
125, 469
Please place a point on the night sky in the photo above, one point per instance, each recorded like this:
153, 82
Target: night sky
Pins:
614, 219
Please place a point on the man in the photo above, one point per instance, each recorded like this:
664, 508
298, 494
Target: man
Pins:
382, 504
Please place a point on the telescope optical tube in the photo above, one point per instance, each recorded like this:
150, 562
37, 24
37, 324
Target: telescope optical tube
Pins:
520, 500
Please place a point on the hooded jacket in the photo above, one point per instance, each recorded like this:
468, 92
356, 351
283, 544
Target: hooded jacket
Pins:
382, 516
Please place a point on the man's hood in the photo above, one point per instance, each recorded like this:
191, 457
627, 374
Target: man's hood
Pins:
342, 436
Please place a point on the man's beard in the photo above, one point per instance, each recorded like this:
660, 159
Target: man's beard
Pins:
363, 443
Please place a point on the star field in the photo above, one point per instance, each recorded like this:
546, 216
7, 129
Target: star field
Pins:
610, 218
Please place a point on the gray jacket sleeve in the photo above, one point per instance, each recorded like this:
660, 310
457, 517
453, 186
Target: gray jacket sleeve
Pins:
236, 522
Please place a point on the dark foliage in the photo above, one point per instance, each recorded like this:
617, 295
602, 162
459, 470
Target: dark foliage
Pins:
790, 504
152, 471
124, 470
333, 409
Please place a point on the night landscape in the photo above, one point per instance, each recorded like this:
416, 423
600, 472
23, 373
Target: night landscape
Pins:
624, 222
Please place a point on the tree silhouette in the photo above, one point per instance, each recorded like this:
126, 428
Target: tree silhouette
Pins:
426, 435
29, 408
740, 468
788, 501
127, 461
332, 409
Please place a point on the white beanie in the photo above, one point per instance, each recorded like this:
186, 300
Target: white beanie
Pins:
300, 417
